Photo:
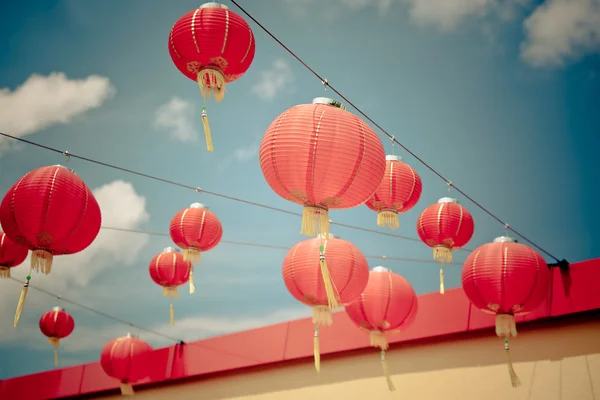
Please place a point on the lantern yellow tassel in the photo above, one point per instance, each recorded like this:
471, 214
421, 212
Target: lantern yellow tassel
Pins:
378, 339
192, 255
315, 221
170, 292
172, 314
386, 372
328, 283
505, 328
442, 280
192, 286
41, 261
207, 134
211, 82
127, 389
321, 315
4, 272
389, 219
21, 302
54, 341
316, 350
442, 254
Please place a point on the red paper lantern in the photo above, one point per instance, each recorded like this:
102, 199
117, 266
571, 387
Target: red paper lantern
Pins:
11, 255
169, 270
52, 212
325, 274
126, 359
506, 278
321, 157
212, 46
195, 229
56, 325
399, 191
445, 226
387, 304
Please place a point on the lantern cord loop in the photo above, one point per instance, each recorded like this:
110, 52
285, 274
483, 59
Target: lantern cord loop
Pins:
127, 389
514, 379
386, 372
316, 350
315, 221
22, 298
172, 314
442, 279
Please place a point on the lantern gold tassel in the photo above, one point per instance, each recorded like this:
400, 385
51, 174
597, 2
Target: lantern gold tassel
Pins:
315, 221
172, 314
389, 219
322, 315
192, 286
506, 327
386, 372
170, 292
21, 302
54, 341
4, 273
41, 261
378, 339
316, 350
442, 254
126, 389
329, 290
207, 134
514, 379
211, 81
442, 280
192, 255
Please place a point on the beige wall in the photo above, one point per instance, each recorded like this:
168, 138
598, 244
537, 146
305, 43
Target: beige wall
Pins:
553, 360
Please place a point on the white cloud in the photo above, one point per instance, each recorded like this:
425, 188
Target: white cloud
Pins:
331, 9
43, 101
279, 77
561, 30
246, 153
177, 117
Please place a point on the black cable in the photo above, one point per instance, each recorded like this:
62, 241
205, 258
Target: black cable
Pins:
393, 138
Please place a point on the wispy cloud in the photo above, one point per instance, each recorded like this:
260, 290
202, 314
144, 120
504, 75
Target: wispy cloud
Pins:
279, 77
177, 118
246, 153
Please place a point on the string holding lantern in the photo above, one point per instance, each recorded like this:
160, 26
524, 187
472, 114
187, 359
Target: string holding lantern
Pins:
322, 157
52, 212
56, 324
126, 359
195, 229
506, 278
11, 255
341, 281
399, 191
169, 270
213, 46
388, 303
445, 226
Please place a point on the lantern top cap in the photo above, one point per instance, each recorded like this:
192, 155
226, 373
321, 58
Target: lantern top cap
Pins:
62, 166
505, 239
447, 200
199, 205
57, 308
170, 249
214, 4
131, 335
331, 236
379, 268
391, 157
329, 102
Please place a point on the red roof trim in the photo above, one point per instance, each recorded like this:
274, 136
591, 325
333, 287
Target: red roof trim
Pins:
439, 315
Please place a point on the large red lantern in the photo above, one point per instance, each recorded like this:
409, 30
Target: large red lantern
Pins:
506, 278
169, 270
126, 359
445, 226
56, 325
399, 191
195, 229
11, 255
213, 46
52, 212
322, 157
325, 274
387, 304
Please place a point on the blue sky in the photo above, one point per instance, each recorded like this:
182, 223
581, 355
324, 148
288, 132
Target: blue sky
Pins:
483, 90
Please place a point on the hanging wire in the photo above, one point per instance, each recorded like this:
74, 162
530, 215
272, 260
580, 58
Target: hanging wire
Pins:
424, 163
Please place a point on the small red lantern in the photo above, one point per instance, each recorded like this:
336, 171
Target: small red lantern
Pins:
56, 325
399, 191
195, 229
445, 226
212, 46
387, 304
506, 278
11, 255
169, 270
52, 212
325, 274
126, 359
321, 157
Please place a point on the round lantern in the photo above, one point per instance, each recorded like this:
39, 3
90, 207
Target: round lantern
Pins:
506, 278
325, 274
126, 359
56, 325
322, 157
212, 46
387, 304
52, 212
195, 229
399, 191
11, 255
169, 270
445, 226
